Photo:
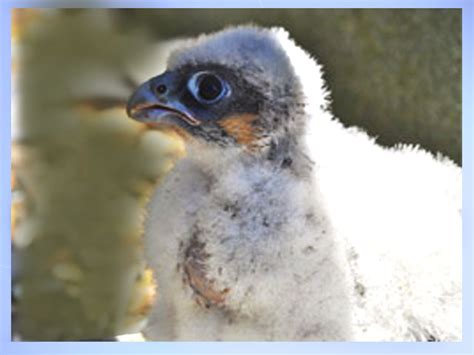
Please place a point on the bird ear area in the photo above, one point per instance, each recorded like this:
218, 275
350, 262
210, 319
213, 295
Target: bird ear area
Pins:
241, 128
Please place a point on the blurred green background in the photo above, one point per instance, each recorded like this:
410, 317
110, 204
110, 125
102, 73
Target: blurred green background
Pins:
396, 73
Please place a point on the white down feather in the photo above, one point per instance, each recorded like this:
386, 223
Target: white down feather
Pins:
396, 234
399, 211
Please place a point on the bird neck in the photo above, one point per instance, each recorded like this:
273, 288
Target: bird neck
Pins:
279, 156
291, 155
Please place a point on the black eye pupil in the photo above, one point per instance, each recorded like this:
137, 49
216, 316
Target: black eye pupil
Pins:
210, 87
161, 89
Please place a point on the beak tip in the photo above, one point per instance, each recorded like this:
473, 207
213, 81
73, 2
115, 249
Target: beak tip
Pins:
141, 95
129, 110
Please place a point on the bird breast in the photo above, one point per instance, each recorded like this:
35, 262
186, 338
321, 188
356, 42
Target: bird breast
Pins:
225, 238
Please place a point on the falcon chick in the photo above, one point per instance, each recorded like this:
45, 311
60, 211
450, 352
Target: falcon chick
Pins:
280, 223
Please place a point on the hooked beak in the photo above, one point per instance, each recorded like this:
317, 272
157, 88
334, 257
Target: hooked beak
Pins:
145, 106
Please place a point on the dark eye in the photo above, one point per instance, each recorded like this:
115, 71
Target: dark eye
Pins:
208, 88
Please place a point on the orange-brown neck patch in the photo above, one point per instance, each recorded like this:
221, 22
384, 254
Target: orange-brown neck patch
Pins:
241, 128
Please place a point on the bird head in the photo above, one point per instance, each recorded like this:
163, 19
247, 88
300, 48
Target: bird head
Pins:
234, 88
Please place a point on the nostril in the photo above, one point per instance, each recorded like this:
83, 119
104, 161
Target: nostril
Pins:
161, 89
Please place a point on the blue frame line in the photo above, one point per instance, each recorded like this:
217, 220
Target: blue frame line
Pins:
9, 347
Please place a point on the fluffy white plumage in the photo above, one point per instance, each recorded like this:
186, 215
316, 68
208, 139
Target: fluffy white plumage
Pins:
368, 247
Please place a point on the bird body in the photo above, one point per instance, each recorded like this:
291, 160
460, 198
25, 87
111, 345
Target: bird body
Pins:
280, 223
399, 213
235, 227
